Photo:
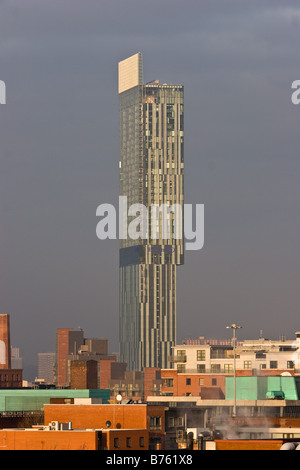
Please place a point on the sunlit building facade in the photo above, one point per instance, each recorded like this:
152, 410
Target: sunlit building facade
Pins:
151, 173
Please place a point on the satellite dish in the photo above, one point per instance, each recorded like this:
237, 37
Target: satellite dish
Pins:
119, 398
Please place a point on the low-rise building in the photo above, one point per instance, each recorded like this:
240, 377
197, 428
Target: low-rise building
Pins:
127, 416
253, 357
73, 439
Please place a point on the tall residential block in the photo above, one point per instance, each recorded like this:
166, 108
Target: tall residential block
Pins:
151, 174
5, 348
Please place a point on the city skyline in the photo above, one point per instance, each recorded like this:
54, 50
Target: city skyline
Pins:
59, 161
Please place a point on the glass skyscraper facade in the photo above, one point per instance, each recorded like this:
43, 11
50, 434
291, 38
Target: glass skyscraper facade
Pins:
151, 173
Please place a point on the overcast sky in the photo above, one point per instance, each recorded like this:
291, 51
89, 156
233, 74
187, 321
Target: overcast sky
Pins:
59, 154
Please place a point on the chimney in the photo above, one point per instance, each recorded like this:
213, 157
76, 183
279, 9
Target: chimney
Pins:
5, 352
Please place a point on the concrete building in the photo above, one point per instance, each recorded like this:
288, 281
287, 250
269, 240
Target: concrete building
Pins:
46, 366
151, 173
16, 359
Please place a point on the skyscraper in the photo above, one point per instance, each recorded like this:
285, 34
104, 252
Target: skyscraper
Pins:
151, 173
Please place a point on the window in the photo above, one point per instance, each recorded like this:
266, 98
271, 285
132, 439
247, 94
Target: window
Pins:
201, 355
188, 381
273, 364
128, 442
180, 421
214, 382
263, 366
201, 382
247, 364
168, 382
181, 367
181, 355
116, 442
201, 368
142, 442
290, 364
215, 367
171, 422
228, 368
155, 423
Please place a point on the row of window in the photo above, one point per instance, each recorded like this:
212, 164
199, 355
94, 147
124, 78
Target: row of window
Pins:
128, 442
228, 368
9, 378
201, 356
181, 355
170, 382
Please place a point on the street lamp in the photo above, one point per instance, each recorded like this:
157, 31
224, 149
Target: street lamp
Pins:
234, 327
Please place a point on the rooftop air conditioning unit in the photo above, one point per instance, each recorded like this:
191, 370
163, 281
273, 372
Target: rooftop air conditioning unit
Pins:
54, 426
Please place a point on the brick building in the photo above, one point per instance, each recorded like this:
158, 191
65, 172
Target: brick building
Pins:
11, 378
5, 348
117, 417
8, 377
135, 385
74, 439
205, 386
67, 342
84, 375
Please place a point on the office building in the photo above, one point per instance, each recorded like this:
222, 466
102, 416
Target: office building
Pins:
151, 174
46, 364
16, 359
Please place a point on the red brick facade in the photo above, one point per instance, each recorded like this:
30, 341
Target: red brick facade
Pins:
84, 374
5, 352
11, 378
199, 385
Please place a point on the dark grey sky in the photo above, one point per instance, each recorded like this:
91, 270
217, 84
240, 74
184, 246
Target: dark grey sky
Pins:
59, 161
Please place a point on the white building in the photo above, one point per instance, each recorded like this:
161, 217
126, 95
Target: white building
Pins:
255, 355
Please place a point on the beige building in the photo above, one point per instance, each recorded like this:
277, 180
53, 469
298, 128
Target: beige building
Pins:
255, 355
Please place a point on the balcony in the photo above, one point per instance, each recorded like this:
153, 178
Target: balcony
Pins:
206, 371
176, 359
